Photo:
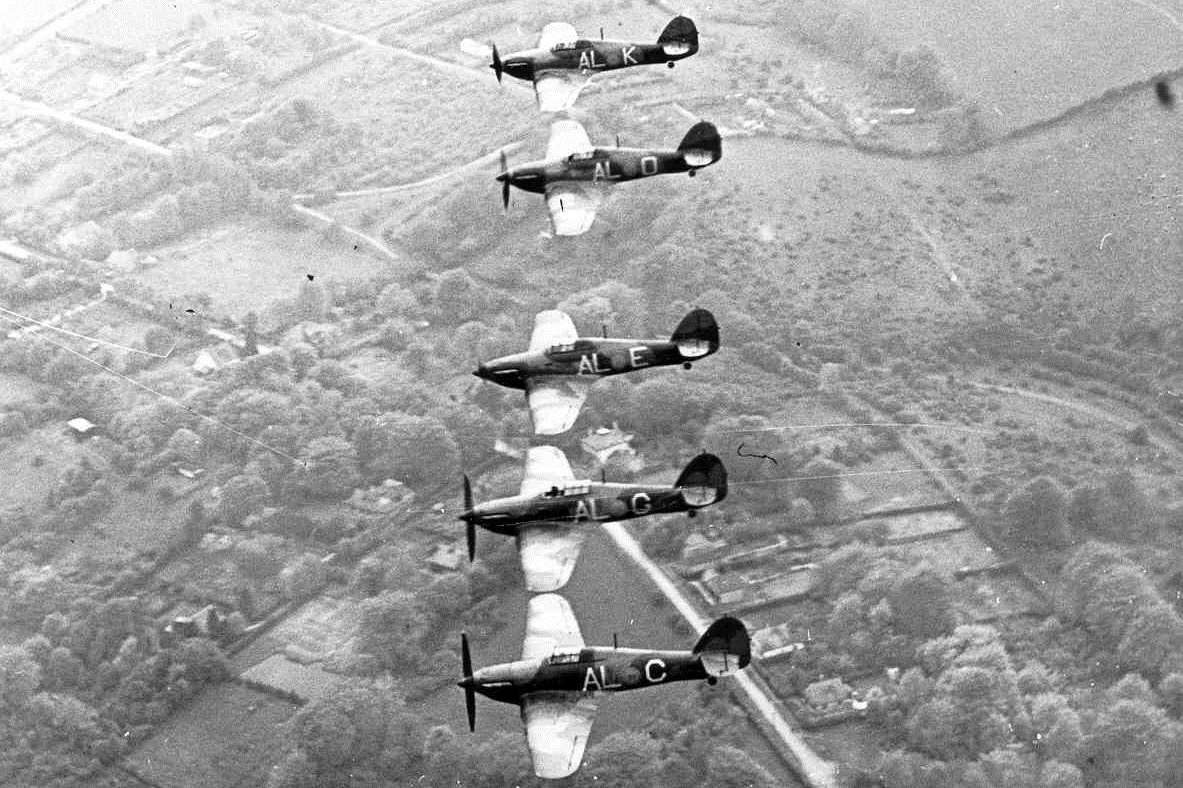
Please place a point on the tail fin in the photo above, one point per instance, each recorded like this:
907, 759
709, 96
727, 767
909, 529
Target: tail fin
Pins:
703, 481
697, 335
725, 647
702, 145
680, 37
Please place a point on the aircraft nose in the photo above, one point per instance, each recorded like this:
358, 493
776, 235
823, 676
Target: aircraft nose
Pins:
482, 371
466, 682
503, 176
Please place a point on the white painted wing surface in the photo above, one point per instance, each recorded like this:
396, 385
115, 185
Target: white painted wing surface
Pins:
557, 91
566, 137
557, 727
546, 467
548, 552
550, 626
552, 327
556, 33
554, 404
572, 207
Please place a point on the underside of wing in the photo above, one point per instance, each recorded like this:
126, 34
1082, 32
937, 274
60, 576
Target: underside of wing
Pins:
552, 327
548, 552
557, 727
556, 33
566, 137
550, 627
554, 403
546, 467
558, 90
572, 207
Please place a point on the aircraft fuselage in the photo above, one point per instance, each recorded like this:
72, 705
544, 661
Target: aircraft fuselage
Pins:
588, 56
591, 357
589, 670
602, 165
578, 502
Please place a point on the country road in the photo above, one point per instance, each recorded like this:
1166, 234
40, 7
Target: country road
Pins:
433, 179
89, 126
815, 770
431, 60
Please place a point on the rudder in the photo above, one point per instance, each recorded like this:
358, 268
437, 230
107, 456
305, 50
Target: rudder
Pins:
680, 37
702, 145
725, 646
697, 335
703, 481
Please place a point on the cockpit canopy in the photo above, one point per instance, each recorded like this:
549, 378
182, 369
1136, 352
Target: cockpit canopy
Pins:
570, 488
563, 658
565, 46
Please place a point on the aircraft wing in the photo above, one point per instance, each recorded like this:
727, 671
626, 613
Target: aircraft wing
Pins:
550, 626
552, 327
557, 727
556, 33
572, 207
546, 467
556, 90
554, 403
566, 137
548, 552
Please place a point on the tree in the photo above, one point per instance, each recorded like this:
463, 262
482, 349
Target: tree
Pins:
303, 577
1037, 514
393, 628
329, 469
1170, 689
242, 496
730, 767
820, 483
158, 340
20, 676
416, 450
922, 603
1055, 726
1128, 744
621, 759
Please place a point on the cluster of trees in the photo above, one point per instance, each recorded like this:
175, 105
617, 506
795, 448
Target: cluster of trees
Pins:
978, 722
883, 609
1113, 506
915, 74
368, 737
1130, 626
91, 681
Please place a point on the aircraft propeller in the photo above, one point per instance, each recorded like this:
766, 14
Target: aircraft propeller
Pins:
504, 182
496, 65
471, 529
469, 694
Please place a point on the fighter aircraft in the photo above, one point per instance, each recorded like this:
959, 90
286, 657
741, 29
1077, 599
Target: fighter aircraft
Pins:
550, 512
558, 680
558, 362
573, 170
562, 64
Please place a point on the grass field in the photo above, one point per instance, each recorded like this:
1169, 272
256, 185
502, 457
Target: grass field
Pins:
245, 266
230, 736
1024, 60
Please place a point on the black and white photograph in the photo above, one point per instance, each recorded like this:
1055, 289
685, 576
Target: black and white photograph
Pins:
592, 394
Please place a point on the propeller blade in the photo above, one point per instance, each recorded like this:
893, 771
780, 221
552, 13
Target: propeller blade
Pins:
469, 694
470, 529
505, 194
496, 64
